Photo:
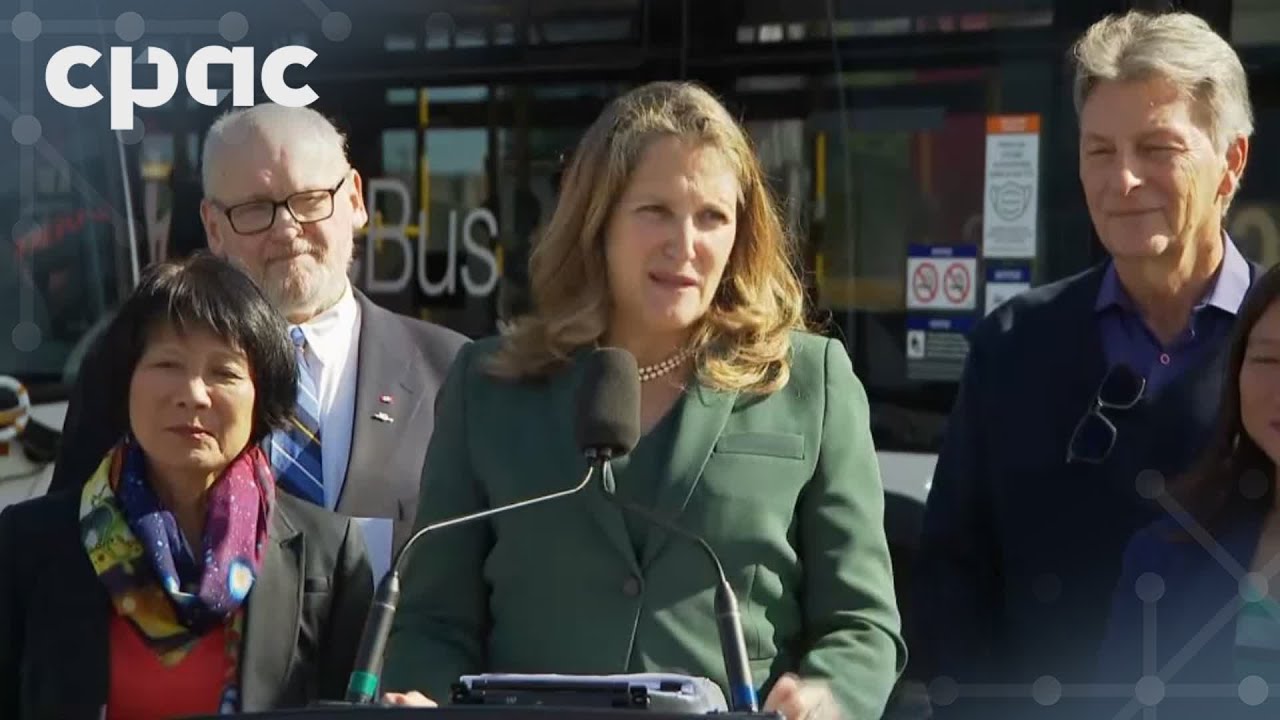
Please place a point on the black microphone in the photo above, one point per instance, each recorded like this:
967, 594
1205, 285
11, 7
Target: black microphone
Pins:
608, 419
603, 429
616, 399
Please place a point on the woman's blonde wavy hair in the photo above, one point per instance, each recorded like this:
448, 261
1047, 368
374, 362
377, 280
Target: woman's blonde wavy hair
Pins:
743, 342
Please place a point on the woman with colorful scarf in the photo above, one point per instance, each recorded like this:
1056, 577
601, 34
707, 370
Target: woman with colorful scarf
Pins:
178, 581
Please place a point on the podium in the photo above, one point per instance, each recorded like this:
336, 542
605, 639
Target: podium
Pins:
482, 712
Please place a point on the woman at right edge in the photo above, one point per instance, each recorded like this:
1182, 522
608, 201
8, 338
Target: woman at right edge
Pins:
755, 436
1194, 629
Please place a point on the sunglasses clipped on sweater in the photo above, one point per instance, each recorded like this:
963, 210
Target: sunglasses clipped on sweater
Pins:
1095, 435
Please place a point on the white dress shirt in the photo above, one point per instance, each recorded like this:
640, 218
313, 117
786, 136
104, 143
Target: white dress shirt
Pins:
333, 343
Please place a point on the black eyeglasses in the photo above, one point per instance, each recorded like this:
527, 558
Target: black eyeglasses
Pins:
307, 206
1095, 434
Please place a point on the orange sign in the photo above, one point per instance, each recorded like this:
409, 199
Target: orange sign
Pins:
1000, 124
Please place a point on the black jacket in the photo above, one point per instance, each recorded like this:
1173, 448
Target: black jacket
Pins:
1020, 551
303, 618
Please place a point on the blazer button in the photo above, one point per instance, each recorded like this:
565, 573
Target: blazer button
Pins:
631, 586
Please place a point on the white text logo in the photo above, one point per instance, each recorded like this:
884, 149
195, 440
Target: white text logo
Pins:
125, 97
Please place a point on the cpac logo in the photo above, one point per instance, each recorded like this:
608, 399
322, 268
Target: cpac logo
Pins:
125, 97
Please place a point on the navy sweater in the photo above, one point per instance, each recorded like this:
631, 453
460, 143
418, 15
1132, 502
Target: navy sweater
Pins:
1020, 550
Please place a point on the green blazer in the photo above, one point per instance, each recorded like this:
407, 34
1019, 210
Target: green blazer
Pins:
784, 487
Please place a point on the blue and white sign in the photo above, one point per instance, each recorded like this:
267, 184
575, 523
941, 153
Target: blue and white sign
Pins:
1005, 282
959, 323
937, 346
941, 277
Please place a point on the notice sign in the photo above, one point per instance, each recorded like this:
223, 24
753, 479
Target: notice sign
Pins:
937, 347
1010, 188
1004, 283
941, 277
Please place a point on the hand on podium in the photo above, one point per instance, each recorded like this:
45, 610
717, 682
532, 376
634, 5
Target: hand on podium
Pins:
798, 699
409, 699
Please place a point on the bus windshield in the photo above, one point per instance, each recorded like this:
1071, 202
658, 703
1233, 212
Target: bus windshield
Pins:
66, 237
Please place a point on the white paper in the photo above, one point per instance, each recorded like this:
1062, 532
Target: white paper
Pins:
998, 292
1010, 194
915, 344
377, 538
651, 680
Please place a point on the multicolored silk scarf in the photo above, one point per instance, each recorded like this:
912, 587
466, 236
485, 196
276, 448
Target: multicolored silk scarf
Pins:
170, 593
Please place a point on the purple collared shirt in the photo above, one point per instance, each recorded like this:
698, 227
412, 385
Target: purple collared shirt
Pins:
1126, 339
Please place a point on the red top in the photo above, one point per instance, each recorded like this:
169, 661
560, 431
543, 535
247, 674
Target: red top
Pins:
143, 688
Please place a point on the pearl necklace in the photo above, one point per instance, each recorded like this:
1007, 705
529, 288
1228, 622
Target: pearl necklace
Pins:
652, 372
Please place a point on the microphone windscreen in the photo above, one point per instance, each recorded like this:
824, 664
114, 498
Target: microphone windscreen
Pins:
608, 403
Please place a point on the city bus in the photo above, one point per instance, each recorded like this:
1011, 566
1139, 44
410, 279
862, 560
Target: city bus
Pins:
881, 124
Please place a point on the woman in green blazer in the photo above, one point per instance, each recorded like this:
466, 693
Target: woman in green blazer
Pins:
755, 436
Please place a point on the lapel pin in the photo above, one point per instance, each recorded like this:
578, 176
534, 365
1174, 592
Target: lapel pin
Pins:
384, 399
383, 417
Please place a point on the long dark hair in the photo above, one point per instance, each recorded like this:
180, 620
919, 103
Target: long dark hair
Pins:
1234, 477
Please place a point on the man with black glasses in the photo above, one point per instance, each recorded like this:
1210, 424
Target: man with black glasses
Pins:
282, 200
1082, 398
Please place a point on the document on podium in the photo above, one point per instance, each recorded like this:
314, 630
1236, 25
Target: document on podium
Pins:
687, 693
651, 680
377, 538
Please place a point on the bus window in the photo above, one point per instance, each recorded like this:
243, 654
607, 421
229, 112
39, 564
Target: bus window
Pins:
66, 258
1253, 220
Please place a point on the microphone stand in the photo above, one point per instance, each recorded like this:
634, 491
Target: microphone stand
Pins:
366, 675
733, 647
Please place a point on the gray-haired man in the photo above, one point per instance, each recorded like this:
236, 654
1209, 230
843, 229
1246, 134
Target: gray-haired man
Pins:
1080, 397
282, 199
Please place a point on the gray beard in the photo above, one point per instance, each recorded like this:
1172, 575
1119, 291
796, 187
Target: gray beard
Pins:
322, 299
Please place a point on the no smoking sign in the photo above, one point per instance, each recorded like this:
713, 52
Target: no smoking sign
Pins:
924, 283
940, 278
957, 283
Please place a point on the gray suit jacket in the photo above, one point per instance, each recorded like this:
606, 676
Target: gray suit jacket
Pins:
407, 359
399, 356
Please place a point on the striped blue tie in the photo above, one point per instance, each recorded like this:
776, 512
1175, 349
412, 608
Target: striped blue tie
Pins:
295, 451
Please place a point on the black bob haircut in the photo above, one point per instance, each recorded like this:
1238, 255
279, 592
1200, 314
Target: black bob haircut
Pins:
205, 292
